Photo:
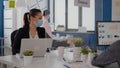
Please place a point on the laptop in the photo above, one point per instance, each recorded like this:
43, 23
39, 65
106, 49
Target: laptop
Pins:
38, 46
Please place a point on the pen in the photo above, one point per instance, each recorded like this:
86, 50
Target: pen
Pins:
66, 66
64, 59
78, 61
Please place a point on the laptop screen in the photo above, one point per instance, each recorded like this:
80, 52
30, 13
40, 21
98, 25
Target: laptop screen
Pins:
38, 46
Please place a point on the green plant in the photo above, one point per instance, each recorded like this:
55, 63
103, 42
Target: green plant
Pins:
84, 51
60, 26
28, 53
78, 42
92, 50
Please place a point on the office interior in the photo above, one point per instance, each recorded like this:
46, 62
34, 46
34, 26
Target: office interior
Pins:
62, 12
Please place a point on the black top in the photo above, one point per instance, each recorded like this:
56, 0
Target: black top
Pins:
24, 33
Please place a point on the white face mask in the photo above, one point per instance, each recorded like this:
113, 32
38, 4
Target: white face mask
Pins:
40, 22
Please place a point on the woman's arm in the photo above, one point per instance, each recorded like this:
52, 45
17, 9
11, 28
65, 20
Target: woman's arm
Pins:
47, 29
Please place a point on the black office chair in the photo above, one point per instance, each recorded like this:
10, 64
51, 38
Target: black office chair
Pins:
12, 38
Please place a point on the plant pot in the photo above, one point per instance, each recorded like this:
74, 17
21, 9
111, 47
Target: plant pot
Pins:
84, 57
90, 58
60, 29
28, 60
76, 53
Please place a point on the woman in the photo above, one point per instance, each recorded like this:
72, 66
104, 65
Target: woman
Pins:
29, 29
46, 15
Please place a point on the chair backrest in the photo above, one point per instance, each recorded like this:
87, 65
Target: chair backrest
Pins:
12, 37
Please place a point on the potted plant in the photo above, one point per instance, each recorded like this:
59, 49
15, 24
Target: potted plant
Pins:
93, 51
91, 54
77, 49
84, 51
78, 42
84, 54
28, 55
60, 28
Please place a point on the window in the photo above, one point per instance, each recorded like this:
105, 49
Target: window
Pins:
88, 16
65, 13
8, 24
72, 15
59, 12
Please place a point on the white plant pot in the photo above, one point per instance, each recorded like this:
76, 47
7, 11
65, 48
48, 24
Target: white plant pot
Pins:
27, 60
60, 29
84, 57
76, 53
90, 58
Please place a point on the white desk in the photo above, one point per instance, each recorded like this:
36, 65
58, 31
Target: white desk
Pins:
51, 62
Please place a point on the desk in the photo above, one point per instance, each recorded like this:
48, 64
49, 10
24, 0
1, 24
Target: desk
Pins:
39, 62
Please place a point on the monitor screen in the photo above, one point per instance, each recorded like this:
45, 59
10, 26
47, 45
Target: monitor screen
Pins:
107, 32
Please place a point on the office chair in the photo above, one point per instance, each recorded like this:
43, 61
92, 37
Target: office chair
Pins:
12, 38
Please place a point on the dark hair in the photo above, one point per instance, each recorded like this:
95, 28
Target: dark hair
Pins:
46, 12
33, 13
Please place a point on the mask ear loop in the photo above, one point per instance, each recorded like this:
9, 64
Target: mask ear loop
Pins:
28, 16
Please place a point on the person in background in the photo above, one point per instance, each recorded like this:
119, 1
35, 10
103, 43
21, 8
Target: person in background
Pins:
45, 24
29, 30
111, 55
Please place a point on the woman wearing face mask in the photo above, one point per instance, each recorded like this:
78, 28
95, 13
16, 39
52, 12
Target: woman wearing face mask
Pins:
29, 30
45, 24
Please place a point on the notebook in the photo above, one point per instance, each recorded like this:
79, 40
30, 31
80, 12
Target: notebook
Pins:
38, 46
